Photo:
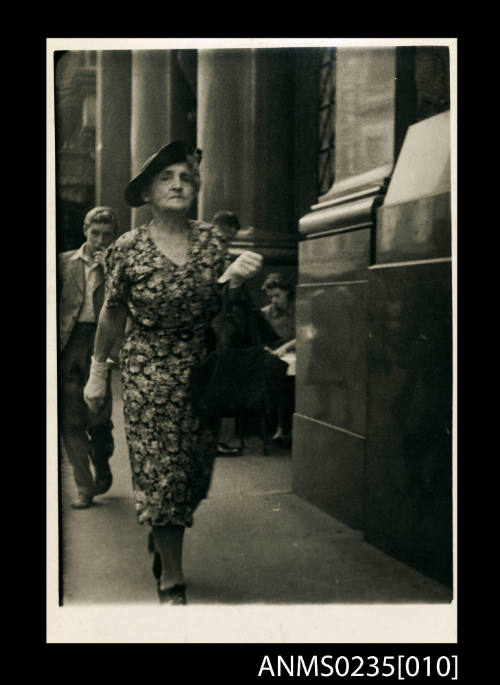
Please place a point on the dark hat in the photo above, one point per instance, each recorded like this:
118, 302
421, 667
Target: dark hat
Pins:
173, 153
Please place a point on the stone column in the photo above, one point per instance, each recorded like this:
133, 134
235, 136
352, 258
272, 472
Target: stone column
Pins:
163, 108
113, 131
245, 115
226, 133
149, 113
181, 67
246, 131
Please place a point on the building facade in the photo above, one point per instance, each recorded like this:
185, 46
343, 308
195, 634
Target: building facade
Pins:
336, 161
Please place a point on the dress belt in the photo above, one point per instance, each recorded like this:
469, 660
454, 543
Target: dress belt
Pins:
186, 333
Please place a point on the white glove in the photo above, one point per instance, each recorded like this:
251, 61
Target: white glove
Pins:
94, 392
247, 265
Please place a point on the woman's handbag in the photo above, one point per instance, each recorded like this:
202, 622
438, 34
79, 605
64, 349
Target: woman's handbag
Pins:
240, 377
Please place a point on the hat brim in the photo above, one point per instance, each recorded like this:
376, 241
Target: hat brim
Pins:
173, 153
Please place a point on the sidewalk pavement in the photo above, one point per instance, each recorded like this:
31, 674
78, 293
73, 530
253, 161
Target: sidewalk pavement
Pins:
253, 541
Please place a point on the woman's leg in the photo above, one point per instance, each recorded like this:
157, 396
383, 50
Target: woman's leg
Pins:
168, 542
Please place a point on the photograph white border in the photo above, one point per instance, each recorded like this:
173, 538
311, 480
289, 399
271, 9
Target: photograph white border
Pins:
330, 623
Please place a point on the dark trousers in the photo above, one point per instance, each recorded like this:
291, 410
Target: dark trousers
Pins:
85, 437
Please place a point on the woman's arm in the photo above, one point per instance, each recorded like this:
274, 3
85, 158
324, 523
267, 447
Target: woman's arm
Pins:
111, 326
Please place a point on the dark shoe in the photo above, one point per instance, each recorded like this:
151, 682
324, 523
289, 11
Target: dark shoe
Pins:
224, 450
82, 502
283, 440
102, 484
173, 595
278, 435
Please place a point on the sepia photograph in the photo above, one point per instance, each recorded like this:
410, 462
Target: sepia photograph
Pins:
251, 349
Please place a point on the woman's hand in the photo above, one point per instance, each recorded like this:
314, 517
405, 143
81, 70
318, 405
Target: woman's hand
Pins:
94, 393
247, 265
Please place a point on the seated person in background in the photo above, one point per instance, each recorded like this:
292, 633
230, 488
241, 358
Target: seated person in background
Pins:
229, 224
280, 313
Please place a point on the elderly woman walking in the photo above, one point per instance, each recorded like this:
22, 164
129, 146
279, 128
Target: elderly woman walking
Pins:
165, 277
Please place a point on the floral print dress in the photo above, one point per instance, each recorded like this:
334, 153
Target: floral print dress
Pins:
170, 309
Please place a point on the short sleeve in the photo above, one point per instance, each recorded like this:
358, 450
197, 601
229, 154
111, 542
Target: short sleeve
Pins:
116, 277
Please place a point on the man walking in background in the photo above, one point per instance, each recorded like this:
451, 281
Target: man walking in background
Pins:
85, 437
